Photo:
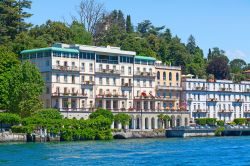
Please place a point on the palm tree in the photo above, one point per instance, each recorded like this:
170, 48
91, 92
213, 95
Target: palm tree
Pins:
161, 118
166, 120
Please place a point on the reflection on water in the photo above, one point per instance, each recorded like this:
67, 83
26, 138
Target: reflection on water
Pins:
190, 151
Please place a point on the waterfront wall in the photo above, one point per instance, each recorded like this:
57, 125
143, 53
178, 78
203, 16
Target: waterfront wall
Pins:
189, 133
138, 134
12, 137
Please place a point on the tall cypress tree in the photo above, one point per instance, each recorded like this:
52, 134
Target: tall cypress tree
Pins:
12, 15
129, 27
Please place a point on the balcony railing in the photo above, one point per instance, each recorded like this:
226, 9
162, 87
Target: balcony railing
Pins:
238, 100
144, 97
225, 89
67, 94
108, 71
166, 98
88, 83
127, 84
65, 68
200, 110
169, 87
225, 111
212, 100
100, 96
144, 74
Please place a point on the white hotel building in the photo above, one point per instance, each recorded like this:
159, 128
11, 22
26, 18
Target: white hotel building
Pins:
221, 99
80, 78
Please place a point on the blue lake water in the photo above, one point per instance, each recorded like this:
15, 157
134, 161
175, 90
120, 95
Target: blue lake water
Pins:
188, 151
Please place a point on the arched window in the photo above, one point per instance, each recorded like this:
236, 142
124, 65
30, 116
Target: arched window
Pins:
177, 76
164, 75
158, 75
170, 76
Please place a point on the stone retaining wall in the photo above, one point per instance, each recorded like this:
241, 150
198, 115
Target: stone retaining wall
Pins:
12, 137
138, 134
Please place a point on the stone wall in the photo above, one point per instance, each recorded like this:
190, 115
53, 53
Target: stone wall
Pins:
12, 137
139, 134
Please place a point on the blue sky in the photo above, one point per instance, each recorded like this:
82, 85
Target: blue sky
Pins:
221, 23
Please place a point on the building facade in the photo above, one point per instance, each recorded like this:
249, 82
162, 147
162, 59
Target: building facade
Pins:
220, 99
80, 78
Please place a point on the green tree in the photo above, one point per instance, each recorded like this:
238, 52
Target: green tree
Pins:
102, 112
48, 114
12, 16
79, 34
25, 87
8, 60
122, 118
129, 26
237, 65
191, 45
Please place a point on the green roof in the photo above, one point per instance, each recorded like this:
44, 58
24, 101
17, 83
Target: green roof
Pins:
50, 49
145, 58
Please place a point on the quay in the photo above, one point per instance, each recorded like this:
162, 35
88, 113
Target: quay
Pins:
205, 132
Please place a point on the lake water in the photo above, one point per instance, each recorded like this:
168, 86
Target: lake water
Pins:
189, 151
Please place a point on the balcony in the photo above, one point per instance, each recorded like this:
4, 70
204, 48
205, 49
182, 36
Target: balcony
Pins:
225, 111
212, 100
177, 88
200, 110
88, 83
225, 89
107, 71
127, 85
65, 68
145, 97
166, 98
199, 88
69, 95
144, 74
111, 96
238, 100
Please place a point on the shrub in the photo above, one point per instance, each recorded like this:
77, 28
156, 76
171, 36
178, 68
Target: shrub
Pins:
9, 118
48, 114
220, 122
22, 129
201, 121
106, 113
219, 131
240, 121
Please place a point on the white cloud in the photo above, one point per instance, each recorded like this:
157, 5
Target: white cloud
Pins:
233, 54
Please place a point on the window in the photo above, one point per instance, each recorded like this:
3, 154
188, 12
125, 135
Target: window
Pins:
144, 83
144, 69
57, 78
114, 81
170, 76
91, 78
150, 71
65, 78
129, 70
158, 75
164, 75
47, 63
65, 63
138, 82
100, 67
150, 83
107, 81
47, 77
114, 67
73, 79
100, 91
83, 67
57, 63
100, 80
138, 69
91, 67
122, 81
73, 64
122, 69
82, 78
177, 76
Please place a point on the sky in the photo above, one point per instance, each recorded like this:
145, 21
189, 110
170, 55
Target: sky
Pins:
213, 23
